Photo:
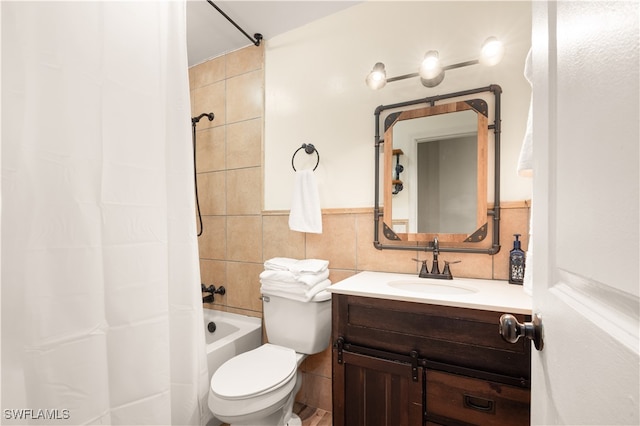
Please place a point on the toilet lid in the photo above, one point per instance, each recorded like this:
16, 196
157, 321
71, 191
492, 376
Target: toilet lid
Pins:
254, 372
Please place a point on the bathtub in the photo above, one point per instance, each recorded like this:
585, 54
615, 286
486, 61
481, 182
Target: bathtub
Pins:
233, 335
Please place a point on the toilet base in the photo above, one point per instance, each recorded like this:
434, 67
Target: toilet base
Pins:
283, 416
295, 420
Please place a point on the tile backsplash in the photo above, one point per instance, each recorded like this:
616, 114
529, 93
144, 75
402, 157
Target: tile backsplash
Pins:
238, 236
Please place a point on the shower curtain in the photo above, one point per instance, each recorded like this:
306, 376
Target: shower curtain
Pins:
101, 310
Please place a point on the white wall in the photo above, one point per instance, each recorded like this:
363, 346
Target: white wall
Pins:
315, 90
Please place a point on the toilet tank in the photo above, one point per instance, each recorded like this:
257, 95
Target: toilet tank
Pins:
304, 327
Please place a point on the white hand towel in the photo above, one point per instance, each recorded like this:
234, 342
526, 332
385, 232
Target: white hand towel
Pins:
305, 215
525, 161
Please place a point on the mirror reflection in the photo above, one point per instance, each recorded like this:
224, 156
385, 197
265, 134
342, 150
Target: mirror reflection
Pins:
440, 165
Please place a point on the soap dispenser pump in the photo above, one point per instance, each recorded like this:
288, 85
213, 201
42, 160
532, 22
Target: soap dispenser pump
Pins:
516, 262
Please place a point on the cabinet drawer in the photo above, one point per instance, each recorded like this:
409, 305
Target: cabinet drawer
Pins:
475, 401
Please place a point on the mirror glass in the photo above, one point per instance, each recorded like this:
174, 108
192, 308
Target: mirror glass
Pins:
434, 173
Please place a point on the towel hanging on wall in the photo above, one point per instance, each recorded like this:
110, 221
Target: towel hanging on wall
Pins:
525, 161
305, 214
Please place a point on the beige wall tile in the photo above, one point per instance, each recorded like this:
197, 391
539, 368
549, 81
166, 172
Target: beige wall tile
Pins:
279, 240
337, 243
213, 272
213, 241
372, 259
210, 149
316, 392
207, 72
208, 99
244, 238
244, 144
243, 285
337, 275
245, 97
512, 221
470, 266
244, 191
320, 363
245, 60
211, 193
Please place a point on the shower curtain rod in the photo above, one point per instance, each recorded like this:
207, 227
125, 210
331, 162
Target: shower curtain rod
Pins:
257, 37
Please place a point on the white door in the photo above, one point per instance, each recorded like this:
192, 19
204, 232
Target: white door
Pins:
586, 212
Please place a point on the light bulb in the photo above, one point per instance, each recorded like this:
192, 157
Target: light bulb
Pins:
377, 78
431, 72
430, 67
492, 52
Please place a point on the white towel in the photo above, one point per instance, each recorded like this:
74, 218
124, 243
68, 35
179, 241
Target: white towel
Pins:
288, 277
279, 264
309, 266
525, 162
293, 291
305, 215
295, 266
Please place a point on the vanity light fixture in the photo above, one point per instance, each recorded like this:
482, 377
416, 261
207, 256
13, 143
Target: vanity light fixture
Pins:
431, 71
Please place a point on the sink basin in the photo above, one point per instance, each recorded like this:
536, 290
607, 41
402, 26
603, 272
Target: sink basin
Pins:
431, 286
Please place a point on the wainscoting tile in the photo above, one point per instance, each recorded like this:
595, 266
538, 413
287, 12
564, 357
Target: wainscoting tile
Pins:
337, 243
279, 240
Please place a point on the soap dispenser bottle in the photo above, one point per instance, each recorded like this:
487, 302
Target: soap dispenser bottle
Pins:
516, 262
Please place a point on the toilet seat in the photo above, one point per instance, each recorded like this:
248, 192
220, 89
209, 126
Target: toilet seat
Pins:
254, 373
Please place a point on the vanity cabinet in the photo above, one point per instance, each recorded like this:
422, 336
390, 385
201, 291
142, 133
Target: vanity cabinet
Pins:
407, 363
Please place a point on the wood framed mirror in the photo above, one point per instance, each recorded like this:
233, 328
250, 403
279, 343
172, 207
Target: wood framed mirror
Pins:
434, 173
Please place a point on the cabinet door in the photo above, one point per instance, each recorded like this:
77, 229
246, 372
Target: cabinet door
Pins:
370, 391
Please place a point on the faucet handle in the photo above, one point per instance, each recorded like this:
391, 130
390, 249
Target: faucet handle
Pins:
447, 271
424, 272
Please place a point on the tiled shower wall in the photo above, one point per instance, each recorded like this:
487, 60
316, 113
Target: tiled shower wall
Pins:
238, 236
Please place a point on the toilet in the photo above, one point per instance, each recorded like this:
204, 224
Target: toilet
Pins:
258, 387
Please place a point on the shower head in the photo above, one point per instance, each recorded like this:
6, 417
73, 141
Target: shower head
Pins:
210, 116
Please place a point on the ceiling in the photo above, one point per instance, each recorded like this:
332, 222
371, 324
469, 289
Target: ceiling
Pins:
209, 34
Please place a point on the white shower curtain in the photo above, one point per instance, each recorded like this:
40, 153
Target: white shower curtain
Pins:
101, 310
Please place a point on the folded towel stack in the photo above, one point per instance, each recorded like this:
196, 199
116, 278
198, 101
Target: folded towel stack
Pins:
295, 279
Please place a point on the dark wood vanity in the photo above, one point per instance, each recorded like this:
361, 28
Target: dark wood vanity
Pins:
402, 363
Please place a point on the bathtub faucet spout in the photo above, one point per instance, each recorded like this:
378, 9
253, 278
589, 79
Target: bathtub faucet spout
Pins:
212, 290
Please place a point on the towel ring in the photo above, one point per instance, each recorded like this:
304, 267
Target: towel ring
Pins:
309, 149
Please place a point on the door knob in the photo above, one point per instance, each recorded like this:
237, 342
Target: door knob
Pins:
511, 330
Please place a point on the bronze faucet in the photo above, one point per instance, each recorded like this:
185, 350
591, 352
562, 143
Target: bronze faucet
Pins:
435, 269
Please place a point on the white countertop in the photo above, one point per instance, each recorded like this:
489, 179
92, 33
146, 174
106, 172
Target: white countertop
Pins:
487, 295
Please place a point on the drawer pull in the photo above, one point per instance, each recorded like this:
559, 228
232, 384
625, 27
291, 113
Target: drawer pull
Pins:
480, 404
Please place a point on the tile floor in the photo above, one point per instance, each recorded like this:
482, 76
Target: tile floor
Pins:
312, 416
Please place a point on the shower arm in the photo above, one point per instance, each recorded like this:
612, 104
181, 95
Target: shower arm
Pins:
194, 120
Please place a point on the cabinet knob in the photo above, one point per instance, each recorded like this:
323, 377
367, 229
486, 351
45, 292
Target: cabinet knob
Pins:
511, 330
